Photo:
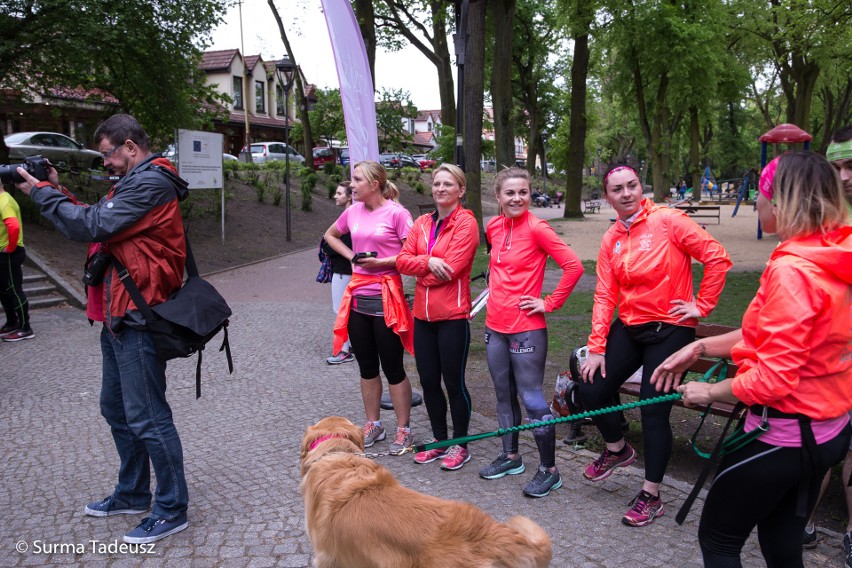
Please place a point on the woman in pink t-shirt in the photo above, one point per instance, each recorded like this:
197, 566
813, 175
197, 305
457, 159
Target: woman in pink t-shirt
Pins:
373, 310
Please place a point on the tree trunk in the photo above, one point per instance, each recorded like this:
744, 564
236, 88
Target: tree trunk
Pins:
579, 123
503, 13
365, 14
443, 65
694, 159
301, 100
473, 101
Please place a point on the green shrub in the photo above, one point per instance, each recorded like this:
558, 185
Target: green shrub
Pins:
331, 168
309, 180
331, 186
420, 187
277, 194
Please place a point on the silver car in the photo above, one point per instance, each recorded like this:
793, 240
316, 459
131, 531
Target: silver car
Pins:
268, 151
57, 148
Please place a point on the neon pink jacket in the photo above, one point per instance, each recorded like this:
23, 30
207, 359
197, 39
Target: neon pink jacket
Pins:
519, 251
796, 351
642, 269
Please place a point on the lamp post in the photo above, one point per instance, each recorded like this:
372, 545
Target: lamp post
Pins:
286, 74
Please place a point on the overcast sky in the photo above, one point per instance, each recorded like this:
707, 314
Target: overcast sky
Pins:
305, 25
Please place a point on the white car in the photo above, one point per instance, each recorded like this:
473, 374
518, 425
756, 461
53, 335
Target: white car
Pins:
269, 151
57, 148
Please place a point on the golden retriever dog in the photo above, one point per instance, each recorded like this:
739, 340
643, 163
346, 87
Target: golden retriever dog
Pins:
358, 515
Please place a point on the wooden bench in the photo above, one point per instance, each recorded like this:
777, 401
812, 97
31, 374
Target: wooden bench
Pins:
709, 211
701, 366
591, 206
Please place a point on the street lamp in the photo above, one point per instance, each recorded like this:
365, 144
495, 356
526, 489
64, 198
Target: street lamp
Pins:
286, 73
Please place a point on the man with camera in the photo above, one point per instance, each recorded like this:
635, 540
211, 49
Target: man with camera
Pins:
138, 223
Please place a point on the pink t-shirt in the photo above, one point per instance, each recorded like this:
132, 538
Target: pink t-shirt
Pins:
382, 230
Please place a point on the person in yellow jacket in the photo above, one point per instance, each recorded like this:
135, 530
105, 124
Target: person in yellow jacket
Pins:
12, 255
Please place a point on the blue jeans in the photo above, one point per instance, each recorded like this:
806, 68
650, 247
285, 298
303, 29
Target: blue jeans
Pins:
133, 401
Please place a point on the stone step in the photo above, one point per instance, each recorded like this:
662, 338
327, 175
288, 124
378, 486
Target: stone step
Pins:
44, 288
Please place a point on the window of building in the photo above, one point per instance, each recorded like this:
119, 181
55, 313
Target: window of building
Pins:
259, 99
279, 100
237, 93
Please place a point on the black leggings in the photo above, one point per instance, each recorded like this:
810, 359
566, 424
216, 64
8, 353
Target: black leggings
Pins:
626, 351
12, 296
516, 363
441, 349
758, 485
373, 342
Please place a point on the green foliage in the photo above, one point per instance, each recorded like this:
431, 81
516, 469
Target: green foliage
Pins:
332, 168
420, 187
114, 47
327, 116
445, 152
331, 186
393, 106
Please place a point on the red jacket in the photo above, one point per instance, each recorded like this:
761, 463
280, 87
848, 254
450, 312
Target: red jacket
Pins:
642, 269
796, 351
458, 238
519, 251
140, 222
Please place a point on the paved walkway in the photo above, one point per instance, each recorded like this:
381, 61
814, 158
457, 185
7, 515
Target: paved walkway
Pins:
241, 446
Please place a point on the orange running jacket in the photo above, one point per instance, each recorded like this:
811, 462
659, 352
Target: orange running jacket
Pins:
642, 269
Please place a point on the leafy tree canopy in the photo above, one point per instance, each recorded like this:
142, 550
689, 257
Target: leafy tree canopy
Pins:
146, 54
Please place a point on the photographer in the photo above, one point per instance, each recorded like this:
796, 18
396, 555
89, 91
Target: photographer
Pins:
139, 223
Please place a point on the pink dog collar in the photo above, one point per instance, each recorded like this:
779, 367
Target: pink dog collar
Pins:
322, 439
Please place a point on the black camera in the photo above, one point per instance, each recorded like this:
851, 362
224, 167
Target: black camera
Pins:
36, 166
96, 268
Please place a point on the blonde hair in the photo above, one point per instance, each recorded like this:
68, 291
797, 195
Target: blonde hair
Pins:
808, 195
375, 172
511, 173
452, 169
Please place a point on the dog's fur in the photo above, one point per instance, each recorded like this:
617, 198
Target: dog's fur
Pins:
358, 515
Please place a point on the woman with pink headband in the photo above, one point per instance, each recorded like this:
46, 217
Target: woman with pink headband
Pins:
645, 270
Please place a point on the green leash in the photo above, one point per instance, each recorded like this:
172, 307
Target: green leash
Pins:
588, 414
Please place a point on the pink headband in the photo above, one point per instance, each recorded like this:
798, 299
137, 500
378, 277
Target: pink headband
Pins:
617, 169
766, 178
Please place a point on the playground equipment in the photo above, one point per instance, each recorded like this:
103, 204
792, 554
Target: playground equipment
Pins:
781, 134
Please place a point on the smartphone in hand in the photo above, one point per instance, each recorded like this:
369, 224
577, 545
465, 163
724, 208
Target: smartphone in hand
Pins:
359, 256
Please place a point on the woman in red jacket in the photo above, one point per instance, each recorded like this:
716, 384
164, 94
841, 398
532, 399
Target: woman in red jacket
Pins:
794, 354
515, 327
645, 270
439, 251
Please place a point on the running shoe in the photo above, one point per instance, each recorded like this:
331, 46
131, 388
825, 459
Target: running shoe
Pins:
403, 440
502, 466
643, 510
429, 456
18, 334
809, 538
543, 483
457, 456
373, 433
847, 549
575, 434
602, 467
342, 357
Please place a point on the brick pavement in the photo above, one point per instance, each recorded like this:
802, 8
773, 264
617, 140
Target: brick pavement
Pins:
241, 449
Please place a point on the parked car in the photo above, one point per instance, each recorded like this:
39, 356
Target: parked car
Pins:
171, 154
269, 151
322, 155
229, 158
424, 161
343, 157
393, 161
57, 148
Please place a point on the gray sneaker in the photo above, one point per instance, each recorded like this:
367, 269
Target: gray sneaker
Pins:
342, 357
373, 434
543, 483
502, 466
847, 548
403, 440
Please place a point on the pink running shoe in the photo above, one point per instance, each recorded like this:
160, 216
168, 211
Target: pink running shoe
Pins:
643, 510
457, 456
602, 467
429, 456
